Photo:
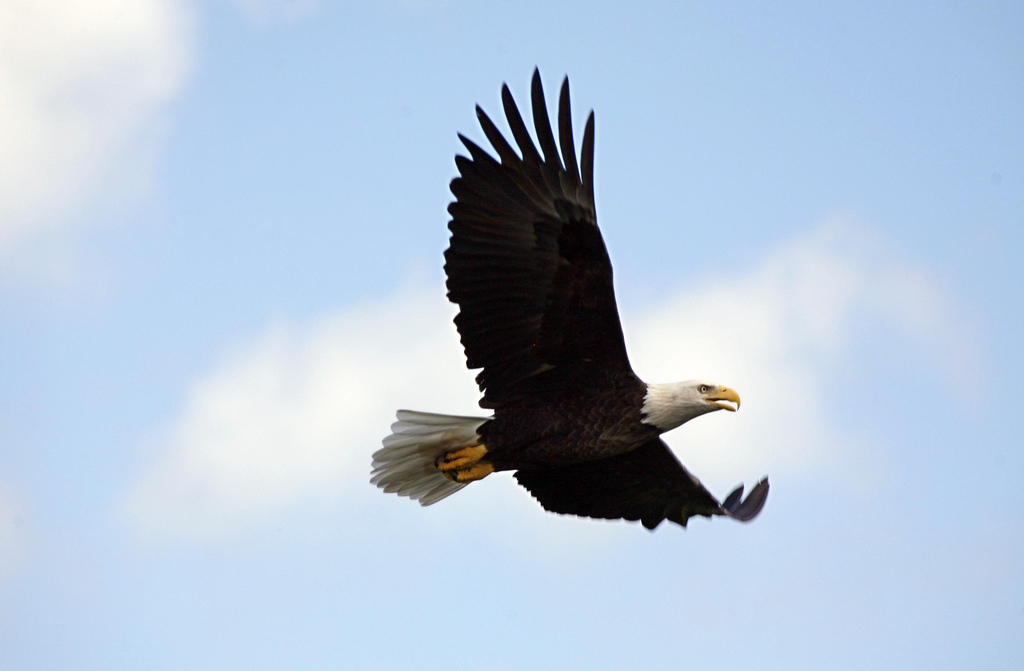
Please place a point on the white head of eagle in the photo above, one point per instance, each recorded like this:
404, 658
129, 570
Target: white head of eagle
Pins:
667, 406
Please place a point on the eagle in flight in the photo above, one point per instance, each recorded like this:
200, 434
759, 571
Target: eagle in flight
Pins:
530, 273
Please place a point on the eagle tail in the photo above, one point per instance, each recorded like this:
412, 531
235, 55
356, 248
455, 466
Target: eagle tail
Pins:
406, 465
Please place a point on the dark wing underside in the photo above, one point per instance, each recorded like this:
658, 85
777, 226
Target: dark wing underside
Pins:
647, 484
527, 265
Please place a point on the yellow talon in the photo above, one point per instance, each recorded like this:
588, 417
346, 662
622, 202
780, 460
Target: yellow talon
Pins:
471, 474
460, 459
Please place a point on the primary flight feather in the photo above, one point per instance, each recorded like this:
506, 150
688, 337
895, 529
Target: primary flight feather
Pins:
537, 315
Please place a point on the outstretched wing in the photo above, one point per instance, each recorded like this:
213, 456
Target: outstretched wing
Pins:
647, 484
527, 265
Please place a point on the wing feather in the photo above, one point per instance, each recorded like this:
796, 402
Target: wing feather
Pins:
552, 165
587, 159
571, 176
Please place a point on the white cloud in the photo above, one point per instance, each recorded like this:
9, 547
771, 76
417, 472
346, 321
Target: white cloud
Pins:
297, 413
82, 89
779, 336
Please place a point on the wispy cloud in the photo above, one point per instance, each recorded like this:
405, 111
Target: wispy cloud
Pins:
781, 334
295, 414
82, 90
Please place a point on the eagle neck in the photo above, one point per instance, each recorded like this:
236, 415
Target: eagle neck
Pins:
663, 408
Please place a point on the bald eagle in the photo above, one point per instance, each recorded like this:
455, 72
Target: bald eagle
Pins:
530, 273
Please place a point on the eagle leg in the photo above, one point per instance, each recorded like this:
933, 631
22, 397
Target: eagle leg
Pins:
477, 471
460, 459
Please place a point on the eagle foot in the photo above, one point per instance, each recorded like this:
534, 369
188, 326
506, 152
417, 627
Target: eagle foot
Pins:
460, 459
477, 471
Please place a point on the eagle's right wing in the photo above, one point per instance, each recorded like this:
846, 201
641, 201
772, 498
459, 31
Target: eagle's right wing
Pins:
647, 484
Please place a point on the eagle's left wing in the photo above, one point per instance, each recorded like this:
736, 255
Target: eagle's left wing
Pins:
527, 265
647, 484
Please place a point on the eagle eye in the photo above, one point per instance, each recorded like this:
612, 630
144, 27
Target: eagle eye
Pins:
704, 388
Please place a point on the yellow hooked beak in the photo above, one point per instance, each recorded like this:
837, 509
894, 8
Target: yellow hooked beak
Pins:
723, 397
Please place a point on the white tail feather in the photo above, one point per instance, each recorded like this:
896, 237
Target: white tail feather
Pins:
405, 465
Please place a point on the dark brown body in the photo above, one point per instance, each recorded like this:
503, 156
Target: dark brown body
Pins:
595, 423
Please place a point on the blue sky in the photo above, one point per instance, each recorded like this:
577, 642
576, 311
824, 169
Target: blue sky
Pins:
221, 229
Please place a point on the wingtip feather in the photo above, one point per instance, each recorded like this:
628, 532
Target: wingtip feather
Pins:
750, 507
